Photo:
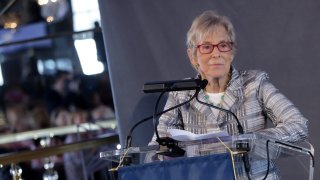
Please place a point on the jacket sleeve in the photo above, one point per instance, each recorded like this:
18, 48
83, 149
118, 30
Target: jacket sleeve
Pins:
290, 125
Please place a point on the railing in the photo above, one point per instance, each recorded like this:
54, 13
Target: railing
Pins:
13, 158
16, 157
51, 132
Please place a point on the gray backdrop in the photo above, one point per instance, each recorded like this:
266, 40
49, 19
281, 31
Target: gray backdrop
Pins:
145, 41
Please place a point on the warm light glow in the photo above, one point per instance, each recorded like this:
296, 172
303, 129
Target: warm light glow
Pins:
10, 25
50, 19
87, 53
43, 2
54, 1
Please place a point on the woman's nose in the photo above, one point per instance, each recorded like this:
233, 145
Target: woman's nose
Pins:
215, 52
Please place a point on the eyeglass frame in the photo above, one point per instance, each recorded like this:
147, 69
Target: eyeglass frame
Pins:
216, 45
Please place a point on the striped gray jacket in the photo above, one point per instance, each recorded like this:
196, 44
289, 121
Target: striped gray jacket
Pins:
251, 97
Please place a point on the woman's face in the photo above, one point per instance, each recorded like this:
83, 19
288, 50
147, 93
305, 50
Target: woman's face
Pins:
215, 64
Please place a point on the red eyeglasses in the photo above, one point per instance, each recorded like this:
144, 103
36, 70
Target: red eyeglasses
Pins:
207, 48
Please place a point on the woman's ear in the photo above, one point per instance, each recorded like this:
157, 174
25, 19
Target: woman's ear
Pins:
192, 59
232, 57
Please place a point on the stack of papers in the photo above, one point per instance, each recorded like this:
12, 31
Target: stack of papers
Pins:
182, 135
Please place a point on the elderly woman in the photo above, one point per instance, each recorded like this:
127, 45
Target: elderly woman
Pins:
248, 94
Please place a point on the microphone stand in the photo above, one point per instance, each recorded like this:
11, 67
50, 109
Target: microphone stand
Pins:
166, 141
129, 137
243, 146
173, 149
168, 146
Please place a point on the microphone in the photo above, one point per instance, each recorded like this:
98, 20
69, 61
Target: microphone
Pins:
201, 85
173, 85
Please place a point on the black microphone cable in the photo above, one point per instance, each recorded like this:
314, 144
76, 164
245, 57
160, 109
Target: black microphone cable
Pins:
287, 145
268, 160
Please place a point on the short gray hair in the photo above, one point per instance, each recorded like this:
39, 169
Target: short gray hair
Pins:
204, 24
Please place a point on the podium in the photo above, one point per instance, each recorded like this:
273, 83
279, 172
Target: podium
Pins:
213, 158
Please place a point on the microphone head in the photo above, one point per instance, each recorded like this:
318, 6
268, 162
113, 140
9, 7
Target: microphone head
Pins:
203, 84
173, 85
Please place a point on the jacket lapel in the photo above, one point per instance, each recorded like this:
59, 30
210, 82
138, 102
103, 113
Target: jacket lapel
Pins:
233, 98
206, 110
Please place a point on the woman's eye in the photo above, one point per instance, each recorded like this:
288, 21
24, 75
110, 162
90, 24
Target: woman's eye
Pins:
223, 45
206, 46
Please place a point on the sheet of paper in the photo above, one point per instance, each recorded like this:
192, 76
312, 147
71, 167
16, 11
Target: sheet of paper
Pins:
182, 135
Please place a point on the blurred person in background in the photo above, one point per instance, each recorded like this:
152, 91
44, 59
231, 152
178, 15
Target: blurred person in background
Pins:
100, 110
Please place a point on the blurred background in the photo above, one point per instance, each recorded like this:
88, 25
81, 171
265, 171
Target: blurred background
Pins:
53, 73
52, 57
